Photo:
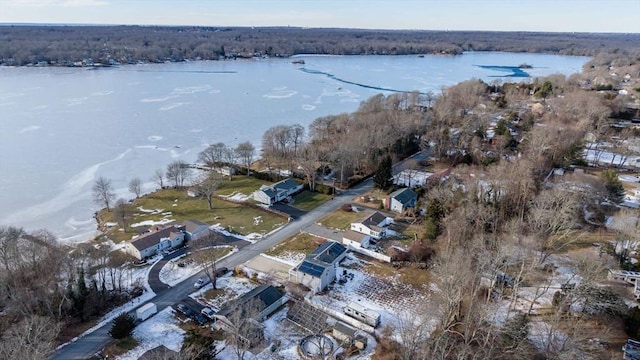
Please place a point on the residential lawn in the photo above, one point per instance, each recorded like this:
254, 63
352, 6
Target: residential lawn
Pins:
340, 219
119, 347
408, 230
240, 184
308, 200
175, 205
300, 243
212, 294
409, 275
372, 198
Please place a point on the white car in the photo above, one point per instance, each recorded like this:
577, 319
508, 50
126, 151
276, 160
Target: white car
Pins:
201, 282
208, 312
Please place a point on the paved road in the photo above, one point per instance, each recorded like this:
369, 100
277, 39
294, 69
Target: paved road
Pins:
95, 341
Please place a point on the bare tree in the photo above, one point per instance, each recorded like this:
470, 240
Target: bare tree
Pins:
413, 330
122, 212
178, 173
207, 185
158, 178
212, 155
135, 186
229, 155
296, 134
552, 217
246, 152
243, 331
103, 192
33, 338
308, 162
206, 252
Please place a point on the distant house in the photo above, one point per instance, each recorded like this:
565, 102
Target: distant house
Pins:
257, 304
150, 244
318, 269
373, 225
400, 200
195, 229
271, 194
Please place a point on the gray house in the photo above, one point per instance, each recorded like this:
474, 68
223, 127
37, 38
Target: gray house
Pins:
257, 304
318, 269
271, 194
401, 199
150, 244
195, 229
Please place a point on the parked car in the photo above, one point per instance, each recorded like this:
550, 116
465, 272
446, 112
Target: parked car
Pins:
201, 282
221, 271
201, 320
184, 310
208, 312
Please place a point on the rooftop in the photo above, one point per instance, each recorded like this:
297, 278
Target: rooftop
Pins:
372, 219
148, 240
265, 295
404, 195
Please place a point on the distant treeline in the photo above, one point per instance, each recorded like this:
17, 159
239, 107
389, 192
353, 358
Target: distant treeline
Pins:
86, 45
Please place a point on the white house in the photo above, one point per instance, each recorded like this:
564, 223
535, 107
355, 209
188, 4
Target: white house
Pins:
318, 269
356, 239
373, 225
401, 199
149, 244
271, 194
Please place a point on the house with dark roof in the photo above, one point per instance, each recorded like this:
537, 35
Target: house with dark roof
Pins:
255, 305
150, 244
195, 229
318, 269
271, 194
374, 225
401, 200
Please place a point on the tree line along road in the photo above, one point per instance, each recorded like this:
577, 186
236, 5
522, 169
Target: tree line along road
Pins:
93, 342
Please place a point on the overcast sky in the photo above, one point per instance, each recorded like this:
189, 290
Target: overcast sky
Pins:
501, 15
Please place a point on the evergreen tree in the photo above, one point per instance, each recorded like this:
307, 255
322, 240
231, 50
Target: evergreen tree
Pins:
383, 175
435, 213
122, 326
613, 185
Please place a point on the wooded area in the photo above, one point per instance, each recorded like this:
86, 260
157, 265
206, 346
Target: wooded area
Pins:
87, 45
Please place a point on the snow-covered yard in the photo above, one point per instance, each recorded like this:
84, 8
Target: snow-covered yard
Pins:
160, 329
172, 274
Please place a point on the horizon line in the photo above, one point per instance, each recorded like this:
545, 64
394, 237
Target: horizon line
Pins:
309, 27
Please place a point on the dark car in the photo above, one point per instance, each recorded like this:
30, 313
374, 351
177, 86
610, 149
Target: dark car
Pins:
184, 310
201, 320
221, 271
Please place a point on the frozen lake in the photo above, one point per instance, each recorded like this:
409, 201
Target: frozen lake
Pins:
61, 128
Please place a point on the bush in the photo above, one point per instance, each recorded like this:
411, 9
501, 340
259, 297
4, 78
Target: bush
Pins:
346, 207
122, 326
